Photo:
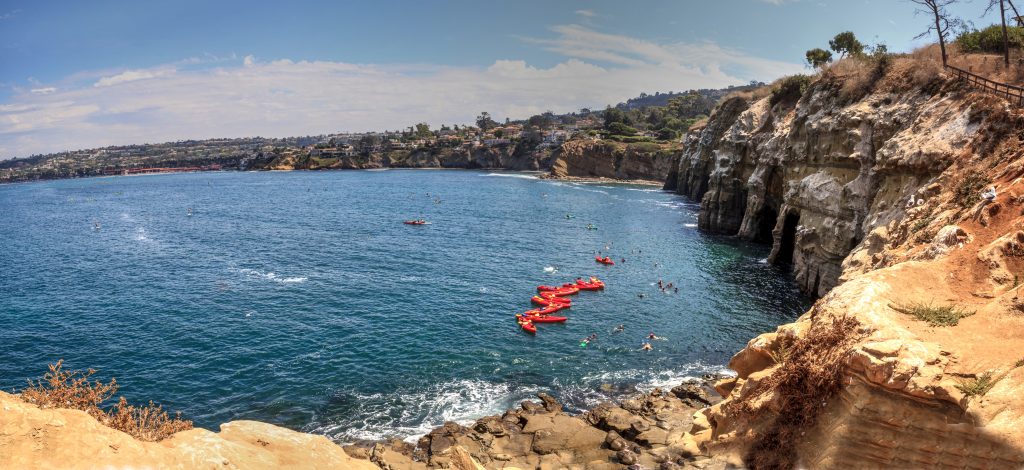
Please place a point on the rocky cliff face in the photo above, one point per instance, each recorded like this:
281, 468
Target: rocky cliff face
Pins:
816, 175
613, 160
911, 357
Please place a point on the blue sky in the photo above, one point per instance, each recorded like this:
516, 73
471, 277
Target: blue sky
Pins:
80, 74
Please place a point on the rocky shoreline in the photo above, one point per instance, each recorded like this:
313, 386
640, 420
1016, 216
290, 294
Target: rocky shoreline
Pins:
659, 429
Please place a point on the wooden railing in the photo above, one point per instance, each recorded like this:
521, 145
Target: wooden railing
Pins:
1013, 94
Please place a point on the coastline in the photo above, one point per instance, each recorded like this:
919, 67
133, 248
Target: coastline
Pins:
598, 179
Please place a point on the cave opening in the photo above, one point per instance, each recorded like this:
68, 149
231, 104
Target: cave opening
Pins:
788, 242
766, 220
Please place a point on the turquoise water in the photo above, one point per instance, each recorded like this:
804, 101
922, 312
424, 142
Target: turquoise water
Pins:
301, 299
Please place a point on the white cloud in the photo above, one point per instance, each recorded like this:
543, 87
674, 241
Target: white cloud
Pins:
284, 97
9, 15
131, 76
43, 91
586, 13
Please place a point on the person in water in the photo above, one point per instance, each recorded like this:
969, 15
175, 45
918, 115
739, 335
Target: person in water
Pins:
652, 336
647, 347
620, 329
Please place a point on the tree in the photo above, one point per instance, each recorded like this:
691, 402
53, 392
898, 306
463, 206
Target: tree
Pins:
1002, 20
845, 43
942, 23
423, 131
618, 128
614, 115
484, 121
818, 57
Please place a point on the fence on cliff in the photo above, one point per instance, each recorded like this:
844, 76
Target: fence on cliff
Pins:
1013, 94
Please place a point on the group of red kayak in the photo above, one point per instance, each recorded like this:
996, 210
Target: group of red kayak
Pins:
551, 299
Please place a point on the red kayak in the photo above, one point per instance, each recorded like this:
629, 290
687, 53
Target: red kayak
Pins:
525, 324
551, 308
552, 296
562, 291
547, 288
547, 319
546, 302
594, 284
605, 260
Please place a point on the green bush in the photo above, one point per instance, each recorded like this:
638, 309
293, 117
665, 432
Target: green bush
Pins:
990, 39
968, 191
977, 386
789, 88
943, 315
644, 147
630, 139
666, 133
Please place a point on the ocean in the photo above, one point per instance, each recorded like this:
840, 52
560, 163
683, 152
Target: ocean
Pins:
301, 299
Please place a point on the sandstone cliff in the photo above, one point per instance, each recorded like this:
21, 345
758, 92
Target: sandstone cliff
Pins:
613, 160
874, 198
32, 438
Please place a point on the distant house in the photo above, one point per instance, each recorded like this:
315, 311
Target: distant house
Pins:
497, 142
556, 138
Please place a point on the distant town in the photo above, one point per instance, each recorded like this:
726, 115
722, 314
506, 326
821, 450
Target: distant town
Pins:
653, 120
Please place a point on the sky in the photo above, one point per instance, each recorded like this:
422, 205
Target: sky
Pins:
86, 74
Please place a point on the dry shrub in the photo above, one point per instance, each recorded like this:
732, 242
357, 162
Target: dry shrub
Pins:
750, 95
810, 375
60, 388
857, 76
911, 73
147, 423
69, 389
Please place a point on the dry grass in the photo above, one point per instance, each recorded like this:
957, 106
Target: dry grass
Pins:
991, 66
809, 375
60, 388
751, 95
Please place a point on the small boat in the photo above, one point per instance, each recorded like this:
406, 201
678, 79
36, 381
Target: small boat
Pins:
605, 260
415, 222
547, 319
546, 302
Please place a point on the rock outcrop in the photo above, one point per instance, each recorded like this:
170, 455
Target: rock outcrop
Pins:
33, 438
650, 430
612, 160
